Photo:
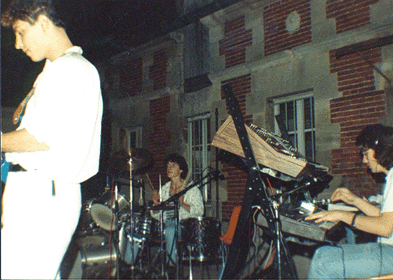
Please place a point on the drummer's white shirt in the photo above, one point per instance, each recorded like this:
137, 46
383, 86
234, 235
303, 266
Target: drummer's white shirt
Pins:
193, 197
65, 112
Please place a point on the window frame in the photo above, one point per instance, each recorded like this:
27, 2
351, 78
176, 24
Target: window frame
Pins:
206, 149
299, 131
138, 136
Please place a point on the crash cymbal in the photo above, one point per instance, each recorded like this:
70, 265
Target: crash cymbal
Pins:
140, 161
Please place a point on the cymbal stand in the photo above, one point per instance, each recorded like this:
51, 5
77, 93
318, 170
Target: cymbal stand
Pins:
132, 226
175, 242
115, 232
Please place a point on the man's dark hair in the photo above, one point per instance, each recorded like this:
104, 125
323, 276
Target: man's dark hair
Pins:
379, 138
30, 10
176, 158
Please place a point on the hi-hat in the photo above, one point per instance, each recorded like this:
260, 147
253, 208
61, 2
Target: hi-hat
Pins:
139, 161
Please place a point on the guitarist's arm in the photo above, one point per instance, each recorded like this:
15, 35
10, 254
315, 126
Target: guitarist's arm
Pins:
21, 141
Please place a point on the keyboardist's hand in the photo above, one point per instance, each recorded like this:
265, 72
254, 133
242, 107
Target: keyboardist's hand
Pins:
331, 216
344, 195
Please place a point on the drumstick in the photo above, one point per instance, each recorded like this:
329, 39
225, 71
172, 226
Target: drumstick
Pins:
151, 185
159, 179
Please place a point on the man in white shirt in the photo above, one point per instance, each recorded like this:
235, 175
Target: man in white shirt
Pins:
57, 143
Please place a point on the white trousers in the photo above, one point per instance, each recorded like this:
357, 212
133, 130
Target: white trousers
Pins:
37, 226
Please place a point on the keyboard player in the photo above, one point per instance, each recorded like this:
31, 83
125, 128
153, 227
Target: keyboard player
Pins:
367, 259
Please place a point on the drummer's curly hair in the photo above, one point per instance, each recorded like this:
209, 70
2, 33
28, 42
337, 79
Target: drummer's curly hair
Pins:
379, 138
30, 10
181, 161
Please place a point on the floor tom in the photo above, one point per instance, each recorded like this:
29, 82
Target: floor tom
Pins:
94, 259
202, 238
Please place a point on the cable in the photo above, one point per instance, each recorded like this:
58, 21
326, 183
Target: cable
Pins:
272, 250
270, 186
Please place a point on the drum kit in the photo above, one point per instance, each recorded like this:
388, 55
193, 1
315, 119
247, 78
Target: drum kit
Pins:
115, 240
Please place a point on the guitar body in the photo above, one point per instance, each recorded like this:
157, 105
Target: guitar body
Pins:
5, 167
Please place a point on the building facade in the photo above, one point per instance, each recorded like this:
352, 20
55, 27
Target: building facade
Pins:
325, 66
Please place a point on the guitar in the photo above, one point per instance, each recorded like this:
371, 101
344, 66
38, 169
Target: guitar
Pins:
5, 167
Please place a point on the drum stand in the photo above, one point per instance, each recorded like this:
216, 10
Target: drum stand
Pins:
176, 238
162, 254
190, 248
115, 211
162, 249
131, 238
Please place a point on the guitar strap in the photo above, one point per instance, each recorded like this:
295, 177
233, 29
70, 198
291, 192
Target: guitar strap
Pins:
19, 112
22, 107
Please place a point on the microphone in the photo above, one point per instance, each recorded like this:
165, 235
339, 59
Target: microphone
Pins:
217, 174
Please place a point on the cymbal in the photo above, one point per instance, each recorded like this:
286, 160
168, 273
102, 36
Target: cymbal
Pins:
138, 160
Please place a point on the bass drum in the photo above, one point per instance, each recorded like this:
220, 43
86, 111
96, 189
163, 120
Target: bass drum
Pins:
202, 238
93, 258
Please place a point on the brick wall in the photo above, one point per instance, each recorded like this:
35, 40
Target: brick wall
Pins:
360, 105
349, 14
237, 178
159, 110
277, 37
157, 72
159, 137
236, 39
131, 78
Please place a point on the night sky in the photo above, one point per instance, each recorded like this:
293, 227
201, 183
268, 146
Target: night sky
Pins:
102, 28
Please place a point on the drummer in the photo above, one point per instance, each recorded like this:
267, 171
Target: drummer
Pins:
190, 204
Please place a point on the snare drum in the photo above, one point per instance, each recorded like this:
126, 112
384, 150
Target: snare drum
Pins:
202, 238
132, 245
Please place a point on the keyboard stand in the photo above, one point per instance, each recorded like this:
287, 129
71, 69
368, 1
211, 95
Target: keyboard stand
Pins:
255, 193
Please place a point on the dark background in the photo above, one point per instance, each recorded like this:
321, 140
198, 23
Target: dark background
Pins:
102, 28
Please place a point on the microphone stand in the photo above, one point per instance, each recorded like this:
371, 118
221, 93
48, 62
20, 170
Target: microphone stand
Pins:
175, 197
177, 206
162, 243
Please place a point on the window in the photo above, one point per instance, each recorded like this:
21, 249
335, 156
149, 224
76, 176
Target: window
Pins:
297, 112
196, 57
131, 137
196, 50
199, 142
